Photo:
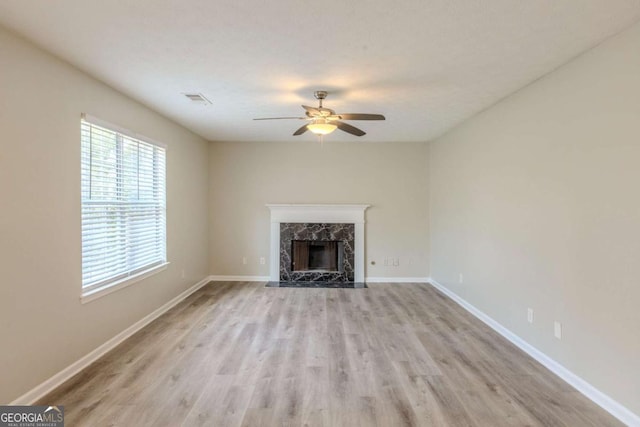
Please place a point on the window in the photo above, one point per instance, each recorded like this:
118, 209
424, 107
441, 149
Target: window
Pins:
123, 206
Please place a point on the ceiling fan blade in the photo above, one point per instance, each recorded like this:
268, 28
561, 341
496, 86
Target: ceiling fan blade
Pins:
349, 129
359, 116
311, 110
281, 118
300, 131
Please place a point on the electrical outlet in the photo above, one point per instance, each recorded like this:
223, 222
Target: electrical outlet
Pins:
557, 330
461, 278
530, 315
263, 261
244, 260
396, 262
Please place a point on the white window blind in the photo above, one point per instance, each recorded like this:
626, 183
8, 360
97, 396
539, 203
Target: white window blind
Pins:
123, 205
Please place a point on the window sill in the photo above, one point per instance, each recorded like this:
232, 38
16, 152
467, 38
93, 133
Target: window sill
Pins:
94, 294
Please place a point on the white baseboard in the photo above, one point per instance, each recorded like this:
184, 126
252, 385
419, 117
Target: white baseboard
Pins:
239, 278
30, 397
605, 402
396, 280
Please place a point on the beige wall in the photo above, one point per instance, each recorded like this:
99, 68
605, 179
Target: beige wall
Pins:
390, 177
43, 326
535, 201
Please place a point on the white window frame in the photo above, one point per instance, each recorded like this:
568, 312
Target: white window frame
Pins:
120, 281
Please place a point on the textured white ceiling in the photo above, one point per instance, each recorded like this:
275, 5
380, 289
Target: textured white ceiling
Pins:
426, 64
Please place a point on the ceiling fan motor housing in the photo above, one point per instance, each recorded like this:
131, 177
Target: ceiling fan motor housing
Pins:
320, 94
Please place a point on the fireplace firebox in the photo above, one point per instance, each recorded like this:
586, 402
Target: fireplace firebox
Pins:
319, 256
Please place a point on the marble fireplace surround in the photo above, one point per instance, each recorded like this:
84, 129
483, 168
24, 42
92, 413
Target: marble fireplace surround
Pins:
323, 214
341, 232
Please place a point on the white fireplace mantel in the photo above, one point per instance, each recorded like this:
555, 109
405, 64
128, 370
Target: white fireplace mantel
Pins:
300, 213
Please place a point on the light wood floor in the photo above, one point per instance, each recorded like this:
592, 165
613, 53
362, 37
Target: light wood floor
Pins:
240, 354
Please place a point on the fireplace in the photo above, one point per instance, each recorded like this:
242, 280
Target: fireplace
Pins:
334, 236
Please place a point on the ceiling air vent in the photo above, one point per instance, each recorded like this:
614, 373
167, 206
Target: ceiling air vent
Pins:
197, 98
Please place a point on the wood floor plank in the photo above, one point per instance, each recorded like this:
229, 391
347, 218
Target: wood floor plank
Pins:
241, 354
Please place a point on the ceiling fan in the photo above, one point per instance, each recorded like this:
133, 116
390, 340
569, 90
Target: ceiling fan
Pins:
323, 121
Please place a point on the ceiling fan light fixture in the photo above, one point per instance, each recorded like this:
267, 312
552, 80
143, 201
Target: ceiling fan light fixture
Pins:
321, 127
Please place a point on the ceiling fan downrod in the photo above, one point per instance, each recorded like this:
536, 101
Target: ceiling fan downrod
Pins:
320, 95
